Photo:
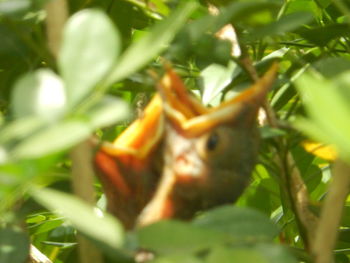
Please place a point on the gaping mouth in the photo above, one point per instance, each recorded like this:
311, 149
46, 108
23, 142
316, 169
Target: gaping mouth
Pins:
174, 119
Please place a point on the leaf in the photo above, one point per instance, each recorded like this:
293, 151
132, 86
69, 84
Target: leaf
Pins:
36, 218
14, 245
173, 237
327, 123
267, 132
108, 111
20, 128
294, 6
183, 258
247, 10
154, 42
240, 224
332, 66
264, 253
275, 253
285, 24
48, 225
323, 35
225, 255
215, 79
9, 7
90, 47
53, 139
103, 228
40, 93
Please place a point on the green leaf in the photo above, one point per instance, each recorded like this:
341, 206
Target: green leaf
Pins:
294, 6
177, 258
275, 253
323, 35
48, 225
108, 111
215, 79
225, 255
332, 66
172, 237
264, 253
35, 219
285, 24
9, 7
238, 223
14, 246
103, 228
90, 47
328, 123
153, 43
247, 10
40, 93
53, 139
20, 128
267, 132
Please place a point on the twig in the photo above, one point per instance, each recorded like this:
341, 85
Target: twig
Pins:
35, 256
327, 231
57, 14
296, 189
294, 184
82, 181
299, 196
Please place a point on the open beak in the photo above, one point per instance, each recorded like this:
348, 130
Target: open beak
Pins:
191, 119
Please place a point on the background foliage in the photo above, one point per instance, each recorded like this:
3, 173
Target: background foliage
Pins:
51, 100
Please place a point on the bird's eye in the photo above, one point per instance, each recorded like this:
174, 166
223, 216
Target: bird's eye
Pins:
212, 141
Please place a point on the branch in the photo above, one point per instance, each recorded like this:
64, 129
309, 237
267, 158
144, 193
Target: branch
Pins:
81, 155
299, 196
56, 17
35, 256
327, 231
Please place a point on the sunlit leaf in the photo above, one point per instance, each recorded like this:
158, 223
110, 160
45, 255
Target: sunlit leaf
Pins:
328, 112
20, 128
90, 47
108, 111
294, 6
40, 93
52, 139
216, 78
13, 6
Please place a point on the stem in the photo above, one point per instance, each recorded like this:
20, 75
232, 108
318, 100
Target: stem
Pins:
37, 257
81, 155
82, 181
327, 231
57, 14
300, 201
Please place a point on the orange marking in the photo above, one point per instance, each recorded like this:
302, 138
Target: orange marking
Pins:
110, 169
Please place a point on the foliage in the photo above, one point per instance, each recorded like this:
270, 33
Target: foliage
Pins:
49, 103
